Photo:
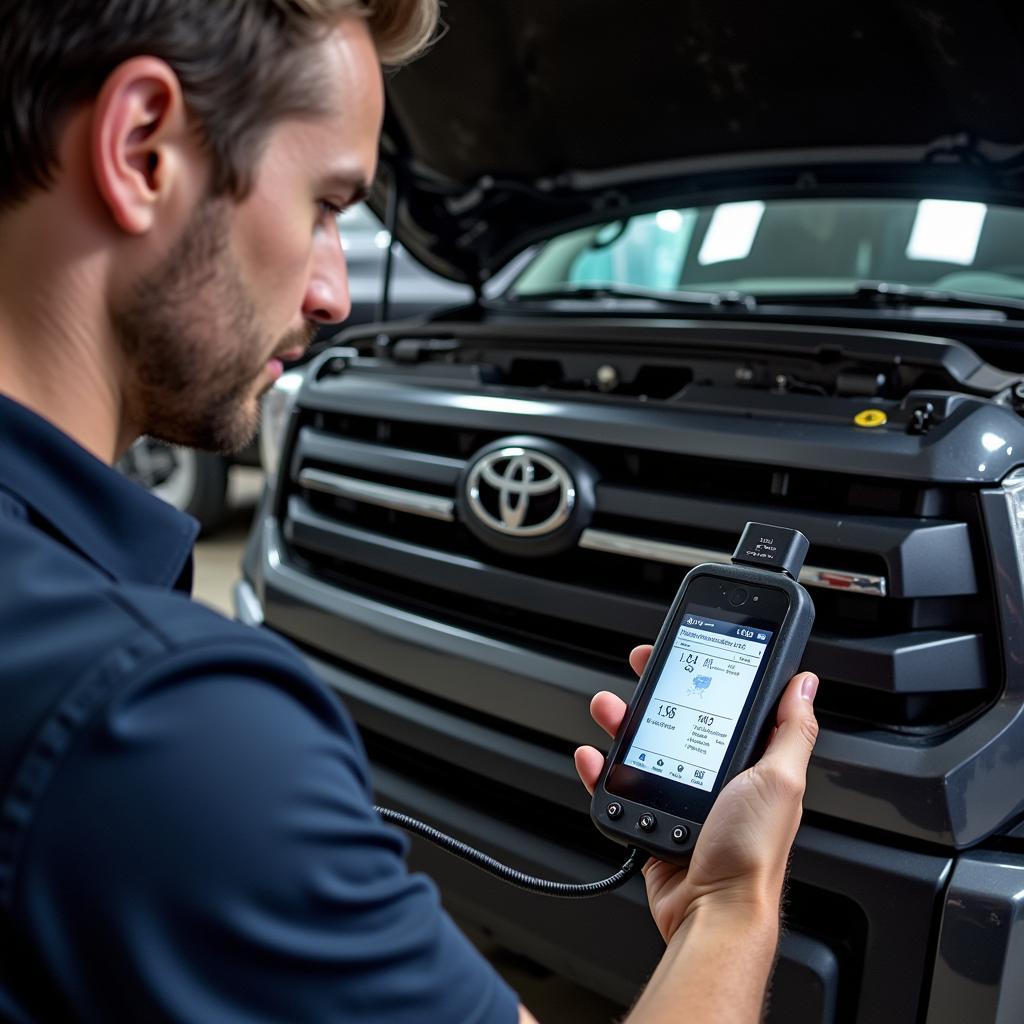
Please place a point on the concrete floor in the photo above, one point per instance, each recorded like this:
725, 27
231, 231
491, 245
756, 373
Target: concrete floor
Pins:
553, 1000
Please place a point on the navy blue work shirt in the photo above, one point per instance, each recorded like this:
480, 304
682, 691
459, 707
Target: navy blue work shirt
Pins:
186, 825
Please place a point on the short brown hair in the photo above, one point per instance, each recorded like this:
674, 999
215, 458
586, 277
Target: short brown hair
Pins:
242, 64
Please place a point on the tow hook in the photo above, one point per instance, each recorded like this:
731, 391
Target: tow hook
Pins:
1017, 399
921, 419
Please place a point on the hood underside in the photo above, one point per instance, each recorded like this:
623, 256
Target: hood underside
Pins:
531, 116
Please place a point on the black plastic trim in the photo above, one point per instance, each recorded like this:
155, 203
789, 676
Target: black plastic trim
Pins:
306, 529
953, 791
534, 691
927, 661
379, 458
923, 557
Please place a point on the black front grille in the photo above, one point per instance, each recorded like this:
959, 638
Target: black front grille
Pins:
877, 653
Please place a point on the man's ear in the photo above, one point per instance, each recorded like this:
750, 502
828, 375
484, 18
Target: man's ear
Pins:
140, 140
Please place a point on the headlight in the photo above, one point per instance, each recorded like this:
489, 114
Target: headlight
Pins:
277, 408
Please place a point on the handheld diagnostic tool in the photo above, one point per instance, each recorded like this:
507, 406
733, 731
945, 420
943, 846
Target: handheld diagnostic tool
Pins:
705, 704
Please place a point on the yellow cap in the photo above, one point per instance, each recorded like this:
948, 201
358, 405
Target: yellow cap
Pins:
871, 418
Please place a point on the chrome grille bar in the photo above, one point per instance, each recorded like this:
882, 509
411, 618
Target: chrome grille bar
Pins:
681, 554
397, 498
434, 507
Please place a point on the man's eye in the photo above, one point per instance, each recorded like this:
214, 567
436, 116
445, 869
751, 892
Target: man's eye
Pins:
330, 209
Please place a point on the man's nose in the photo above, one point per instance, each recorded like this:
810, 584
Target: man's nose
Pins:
327, 299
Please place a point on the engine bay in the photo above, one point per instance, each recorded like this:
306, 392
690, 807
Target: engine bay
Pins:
825, 375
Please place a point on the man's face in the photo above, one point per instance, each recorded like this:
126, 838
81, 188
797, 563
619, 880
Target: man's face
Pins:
247, 282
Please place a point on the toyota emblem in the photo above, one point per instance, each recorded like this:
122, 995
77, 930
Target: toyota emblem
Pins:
520, 492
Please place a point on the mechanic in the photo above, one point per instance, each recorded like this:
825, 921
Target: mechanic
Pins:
187, 830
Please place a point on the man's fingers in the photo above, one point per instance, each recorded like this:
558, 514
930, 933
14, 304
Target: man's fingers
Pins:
797, 728
608, 711
589, 762
638, 658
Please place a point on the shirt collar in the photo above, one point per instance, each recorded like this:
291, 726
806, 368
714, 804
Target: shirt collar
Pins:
117, 525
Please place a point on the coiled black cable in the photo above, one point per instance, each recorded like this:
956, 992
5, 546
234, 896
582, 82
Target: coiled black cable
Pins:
564, 890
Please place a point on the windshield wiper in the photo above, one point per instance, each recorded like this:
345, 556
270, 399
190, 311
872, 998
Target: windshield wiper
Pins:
709, 300
872, 295
883, 295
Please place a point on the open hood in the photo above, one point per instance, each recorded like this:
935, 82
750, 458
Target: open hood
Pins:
532, 116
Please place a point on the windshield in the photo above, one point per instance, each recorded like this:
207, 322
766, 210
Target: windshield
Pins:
792, 247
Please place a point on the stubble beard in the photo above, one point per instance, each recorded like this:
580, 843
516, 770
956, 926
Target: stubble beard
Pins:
193, 349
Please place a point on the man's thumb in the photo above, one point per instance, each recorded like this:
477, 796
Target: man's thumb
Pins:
797, 728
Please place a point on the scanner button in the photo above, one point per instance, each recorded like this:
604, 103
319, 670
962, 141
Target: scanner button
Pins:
680, 834
614, 811
647, 822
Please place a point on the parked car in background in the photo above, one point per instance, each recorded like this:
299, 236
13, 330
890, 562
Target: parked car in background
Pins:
780, 278
196, 482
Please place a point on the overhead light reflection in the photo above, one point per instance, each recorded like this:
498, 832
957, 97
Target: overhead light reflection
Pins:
947, 231
489, 403
669, 220
731, 233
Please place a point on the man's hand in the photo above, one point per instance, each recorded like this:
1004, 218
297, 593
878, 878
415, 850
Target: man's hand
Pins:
739, 862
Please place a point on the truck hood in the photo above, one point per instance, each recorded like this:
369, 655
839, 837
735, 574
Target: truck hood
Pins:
529, 117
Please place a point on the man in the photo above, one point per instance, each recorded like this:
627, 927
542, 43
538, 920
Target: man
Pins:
186, 827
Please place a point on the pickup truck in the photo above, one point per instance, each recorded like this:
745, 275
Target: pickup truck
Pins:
776, 273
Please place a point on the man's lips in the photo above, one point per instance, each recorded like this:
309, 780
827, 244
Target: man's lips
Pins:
290, 355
